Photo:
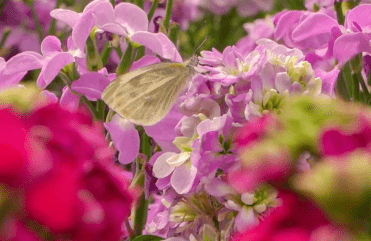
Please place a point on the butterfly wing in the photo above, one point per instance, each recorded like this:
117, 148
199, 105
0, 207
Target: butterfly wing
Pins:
146, 95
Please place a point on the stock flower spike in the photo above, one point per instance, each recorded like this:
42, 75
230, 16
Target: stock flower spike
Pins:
270, 139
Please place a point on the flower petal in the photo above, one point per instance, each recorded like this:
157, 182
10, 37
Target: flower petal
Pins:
81, 31
161, 168
131, 16
348, 45
50, 45
91, 85
67, 16
53, 66
23, 62
183, 178
314, 31
125, 138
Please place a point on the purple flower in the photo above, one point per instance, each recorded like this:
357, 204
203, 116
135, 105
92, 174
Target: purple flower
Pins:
180, 169
244, 8
91, 85
9, 80
52, 60
260, 28
125, 138
126, 19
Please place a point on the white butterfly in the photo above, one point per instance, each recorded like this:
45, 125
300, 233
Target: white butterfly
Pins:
144, 96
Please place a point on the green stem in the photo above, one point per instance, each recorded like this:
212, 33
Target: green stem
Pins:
152, 9
125, 61
139, 3
140, 216
106, 51
145, 145
101, 109
339, 12
342, 87
169, 7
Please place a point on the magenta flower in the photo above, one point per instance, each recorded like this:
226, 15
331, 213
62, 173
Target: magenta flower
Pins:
346, 140
296, 219
61, 169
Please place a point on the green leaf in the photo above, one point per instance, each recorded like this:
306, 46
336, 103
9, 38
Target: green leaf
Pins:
147, 238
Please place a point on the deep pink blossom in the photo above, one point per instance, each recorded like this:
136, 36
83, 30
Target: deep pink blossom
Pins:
297, 219
63, 178
347, 139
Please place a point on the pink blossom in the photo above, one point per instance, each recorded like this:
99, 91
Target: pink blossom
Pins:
296, 219
61, 169
52, 60
347, 139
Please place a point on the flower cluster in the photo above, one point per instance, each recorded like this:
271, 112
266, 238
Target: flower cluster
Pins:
313, 167
258, 146
57, 180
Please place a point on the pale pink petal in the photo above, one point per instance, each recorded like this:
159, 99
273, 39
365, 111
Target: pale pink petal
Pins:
53, 66
69, 100
169, 49
282, 82
23, 62
314, 31
285, 24
218, 188
349, 45
81, 31
245, 218
125, 138
92, 5
158, 43
144, 61
163, 132
67, 16
7, 81
360, 15
161, 168
105, 19
183, 178
91, 85
50, 96
131, 17
50, 45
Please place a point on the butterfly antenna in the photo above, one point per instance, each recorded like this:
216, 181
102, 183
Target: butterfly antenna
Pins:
194, 52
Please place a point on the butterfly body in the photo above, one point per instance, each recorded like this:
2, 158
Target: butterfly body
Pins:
144, 96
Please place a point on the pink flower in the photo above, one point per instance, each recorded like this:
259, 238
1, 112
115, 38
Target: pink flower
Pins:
61, 170
297, 219
52, 60
347, 139
12, 146
255, 130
